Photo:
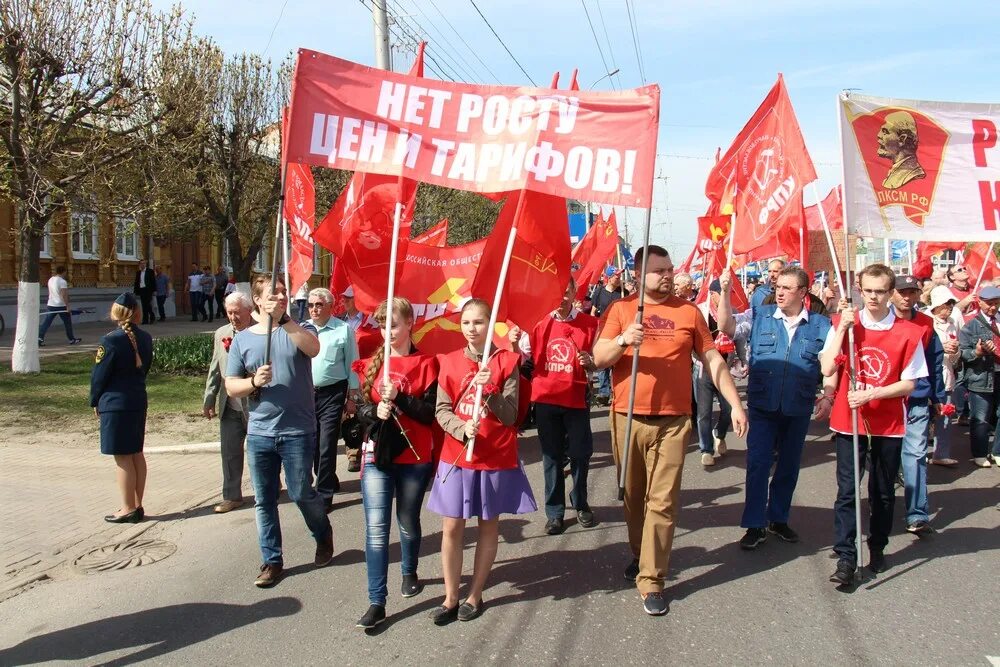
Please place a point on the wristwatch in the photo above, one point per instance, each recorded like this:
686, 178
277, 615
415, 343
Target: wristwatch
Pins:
621, 341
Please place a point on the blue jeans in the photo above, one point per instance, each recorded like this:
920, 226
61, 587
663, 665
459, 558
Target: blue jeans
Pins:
63, 315
982, 408
943, 427
266, 456
407, 482
770, 432
914, 460
961, 397
705, 393
604, 382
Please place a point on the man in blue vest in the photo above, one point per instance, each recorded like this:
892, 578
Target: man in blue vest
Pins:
785, 340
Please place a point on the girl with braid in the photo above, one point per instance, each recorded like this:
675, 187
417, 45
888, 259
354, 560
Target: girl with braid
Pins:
401, 445
118, 396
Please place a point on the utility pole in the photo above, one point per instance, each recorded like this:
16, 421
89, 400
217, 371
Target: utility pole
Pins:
381, 20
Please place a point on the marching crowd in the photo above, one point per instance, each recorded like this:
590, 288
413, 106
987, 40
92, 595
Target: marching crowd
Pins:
924, 360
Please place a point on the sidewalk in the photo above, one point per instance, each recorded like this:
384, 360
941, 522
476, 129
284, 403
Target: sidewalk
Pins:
56, 499
56, 343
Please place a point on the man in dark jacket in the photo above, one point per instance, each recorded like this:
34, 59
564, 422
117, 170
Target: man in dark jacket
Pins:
978, 344
144, 287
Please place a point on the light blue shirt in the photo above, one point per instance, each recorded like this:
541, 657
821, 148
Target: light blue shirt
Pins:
338, 350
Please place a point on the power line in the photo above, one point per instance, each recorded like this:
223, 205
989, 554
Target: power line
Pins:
596, 41
419, 33
611, 51
471, 50
413, 33
274, 27
467, 66
396, 33
632, 24
473, 2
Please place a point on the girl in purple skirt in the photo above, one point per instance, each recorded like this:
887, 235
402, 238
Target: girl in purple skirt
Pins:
493, 482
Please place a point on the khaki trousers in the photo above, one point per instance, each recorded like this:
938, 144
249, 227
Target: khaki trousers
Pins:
652, 489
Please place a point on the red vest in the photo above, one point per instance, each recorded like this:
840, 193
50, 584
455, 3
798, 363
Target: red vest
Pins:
558, 378
880, 359
412, 375
496, 444
926, 323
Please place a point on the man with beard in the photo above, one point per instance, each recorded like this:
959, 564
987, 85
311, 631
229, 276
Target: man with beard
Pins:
670, 332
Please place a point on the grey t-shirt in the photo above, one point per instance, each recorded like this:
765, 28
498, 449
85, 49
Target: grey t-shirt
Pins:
286, 406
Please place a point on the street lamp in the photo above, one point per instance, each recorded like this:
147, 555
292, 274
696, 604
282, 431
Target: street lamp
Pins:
609, 74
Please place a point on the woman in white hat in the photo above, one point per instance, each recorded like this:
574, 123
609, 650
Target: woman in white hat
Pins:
942, 304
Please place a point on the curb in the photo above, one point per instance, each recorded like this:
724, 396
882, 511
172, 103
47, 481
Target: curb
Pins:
194, 448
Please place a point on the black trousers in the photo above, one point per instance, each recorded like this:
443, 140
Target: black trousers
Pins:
885, 461
146, 299
160, 300
564, 433
220, 302
330, 402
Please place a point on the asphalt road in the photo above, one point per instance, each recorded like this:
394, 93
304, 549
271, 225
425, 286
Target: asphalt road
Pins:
551, 600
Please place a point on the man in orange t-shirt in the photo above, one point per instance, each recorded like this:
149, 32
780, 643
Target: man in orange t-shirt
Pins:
671, 331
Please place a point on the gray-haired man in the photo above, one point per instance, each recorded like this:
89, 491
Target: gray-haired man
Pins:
232, 412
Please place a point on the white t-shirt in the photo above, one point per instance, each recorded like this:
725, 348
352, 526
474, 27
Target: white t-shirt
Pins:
194, 282
916, 366
56, 285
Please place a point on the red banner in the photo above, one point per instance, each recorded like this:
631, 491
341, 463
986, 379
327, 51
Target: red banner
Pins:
974, 258
435, 236
763, 173
593, 252
595, 146
300, 213
833, 207
923, 263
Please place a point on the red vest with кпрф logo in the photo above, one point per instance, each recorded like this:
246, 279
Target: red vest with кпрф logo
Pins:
880, 358
558, 377
496, 444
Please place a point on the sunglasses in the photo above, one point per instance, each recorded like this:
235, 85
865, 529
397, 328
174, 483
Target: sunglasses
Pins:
316, 304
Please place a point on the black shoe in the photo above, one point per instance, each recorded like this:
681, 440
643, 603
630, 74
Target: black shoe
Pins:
586, 518
753, 538
75, 341
876, 562
844, 576
142, 512
41, 342
554, 527
328, 505
654, 604
783, 531
324, 551
468, 612
411, 586
372, 618
919, 528
443, 615
632, 571
131, 517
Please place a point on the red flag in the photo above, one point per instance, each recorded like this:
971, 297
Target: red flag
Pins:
435, 236
540, 262
417, 69
833, 207
299, 214
923, 263
974, 258
762, 174
592, 253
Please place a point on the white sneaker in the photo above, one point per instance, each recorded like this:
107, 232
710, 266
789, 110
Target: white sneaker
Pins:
709, 460
720, 447
979, 461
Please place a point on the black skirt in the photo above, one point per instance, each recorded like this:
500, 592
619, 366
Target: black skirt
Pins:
123, 432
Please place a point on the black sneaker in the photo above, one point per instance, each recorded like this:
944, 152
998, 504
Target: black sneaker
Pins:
324, 551
876, 562
41, 342
654, 604
586, 518
753, 538
554, 527
372, 618
632, 571
411, 586
75, 341
783, 531
844, 576
919, 528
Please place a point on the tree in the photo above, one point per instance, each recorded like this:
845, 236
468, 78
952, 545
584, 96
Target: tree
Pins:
77, 95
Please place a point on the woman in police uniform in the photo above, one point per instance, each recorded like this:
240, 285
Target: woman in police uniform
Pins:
118, 396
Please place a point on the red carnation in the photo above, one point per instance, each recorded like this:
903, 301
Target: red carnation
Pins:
490, 389
948, 410
226, 342
840, 359
358, 366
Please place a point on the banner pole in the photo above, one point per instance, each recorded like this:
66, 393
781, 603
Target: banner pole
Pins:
802, 245
829, 242
487, 349
627, 444
274, 260
391, 291
909, 255
982, 269
859, 542
284, 259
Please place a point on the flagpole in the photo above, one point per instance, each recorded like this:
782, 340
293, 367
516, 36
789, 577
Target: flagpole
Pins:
274, 260
829, 242
284, 259
391, 291
487, 349
627, 445
982, 269
859, 542
802, 244
909, 255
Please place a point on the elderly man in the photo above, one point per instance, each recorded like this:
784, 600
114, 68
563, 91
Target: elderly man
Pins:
333, 379
939, 276
232, 412
767, 289
684, 286
354, 317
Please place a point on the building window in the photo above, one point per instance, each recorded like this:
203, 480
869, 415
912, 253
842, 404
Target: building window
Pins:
260, 264
126, 238
46, 250
226, 257
83, 235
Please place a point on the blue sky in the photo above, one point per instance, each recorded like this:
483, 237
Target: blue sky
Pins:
713, 59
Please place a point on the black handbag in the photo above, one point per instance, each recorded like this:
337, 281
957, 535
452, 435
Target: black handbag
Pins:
389, 442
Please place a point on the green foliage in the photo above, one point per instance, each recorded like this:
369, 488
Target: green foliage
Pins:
183, 355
